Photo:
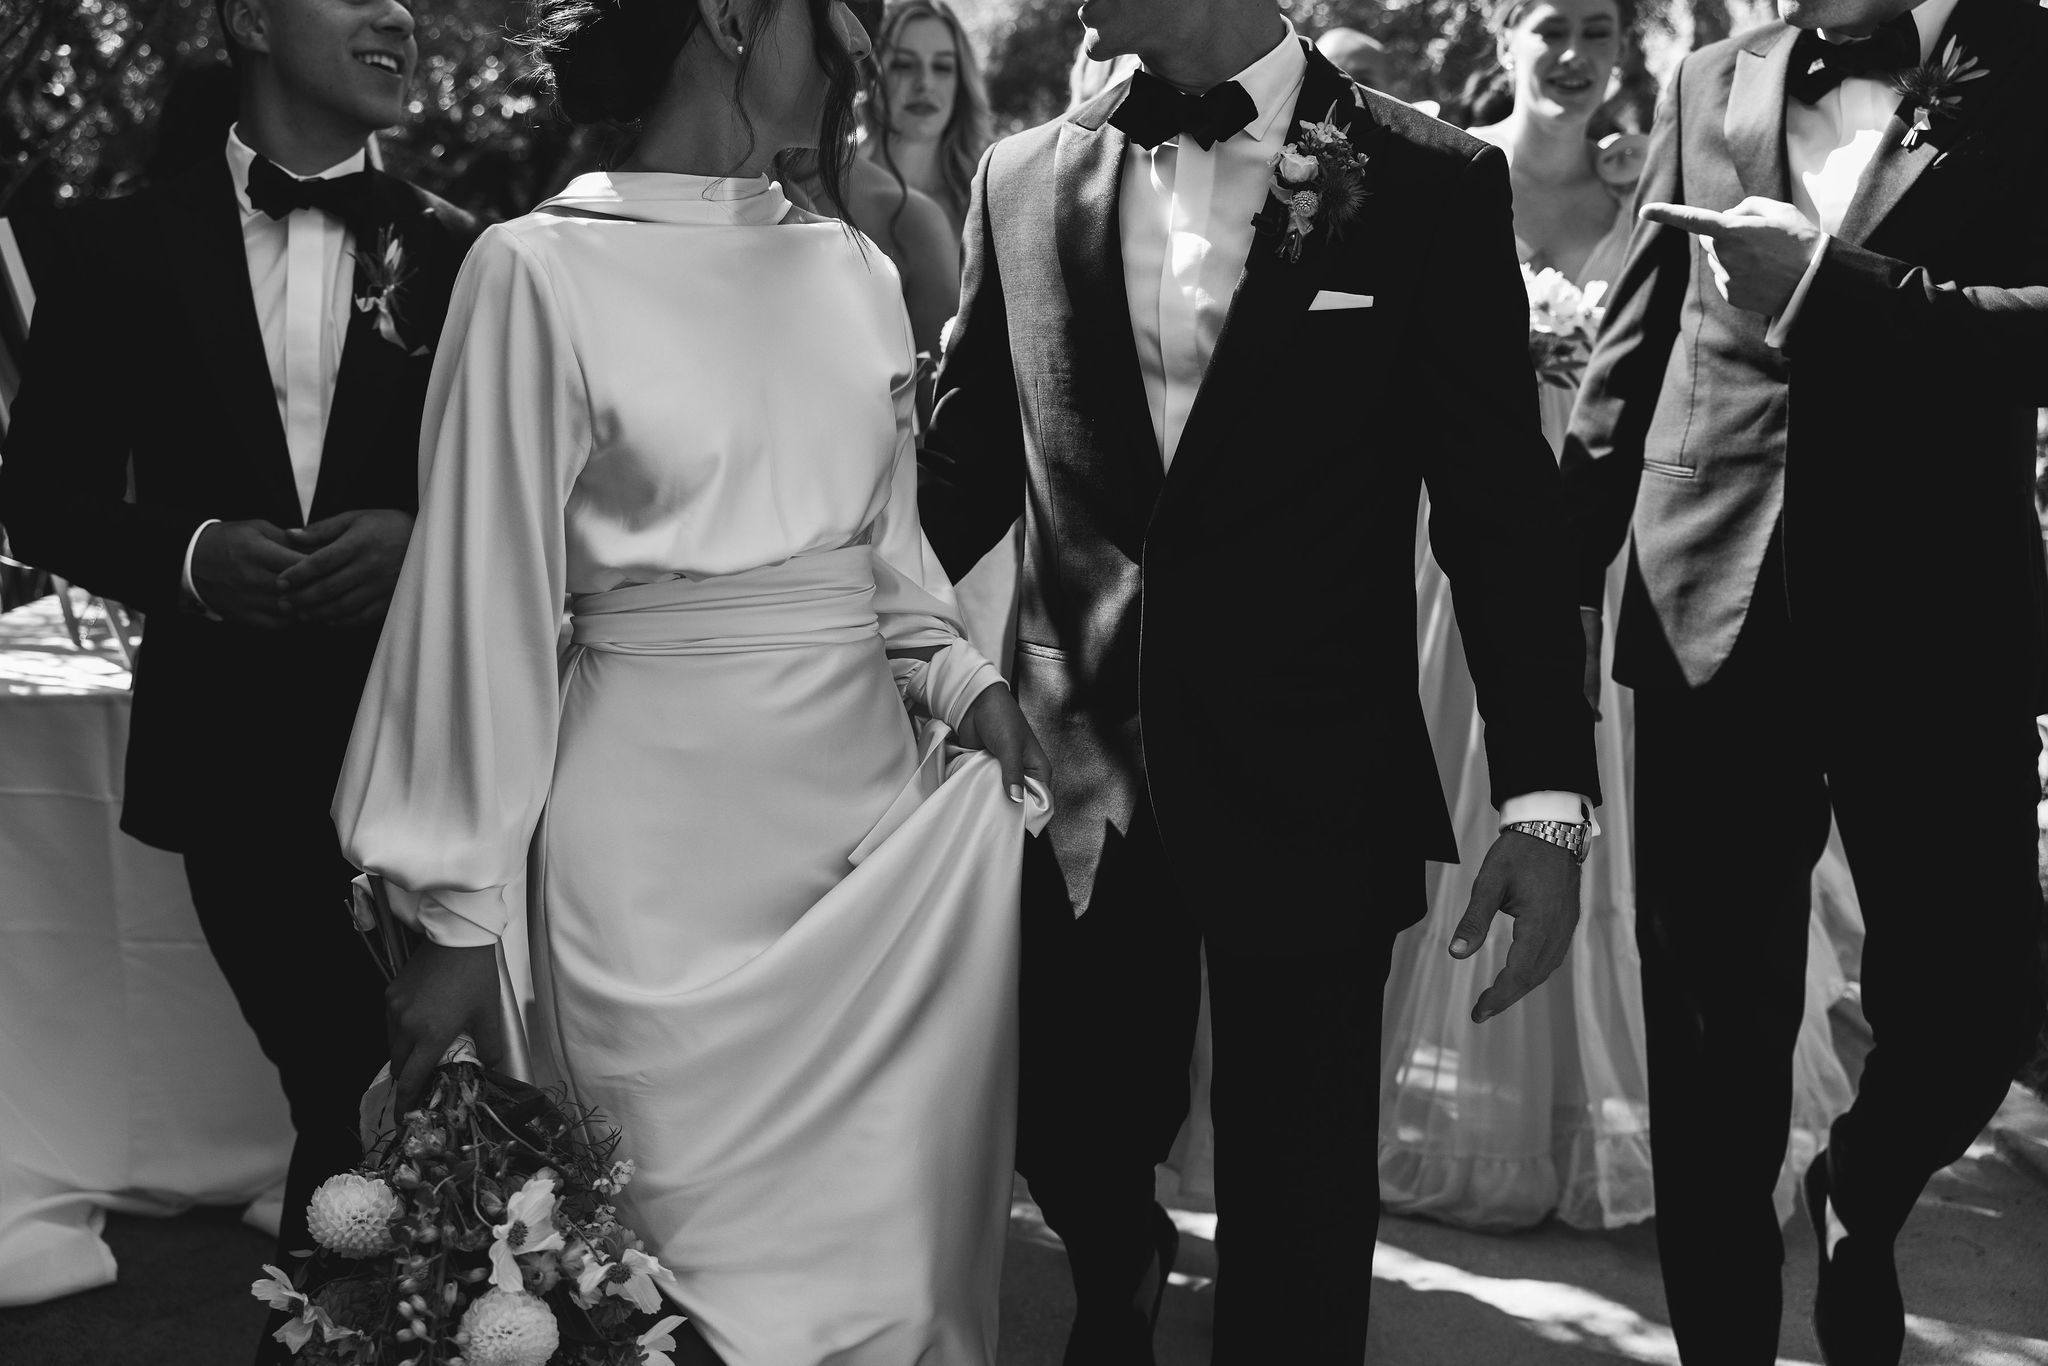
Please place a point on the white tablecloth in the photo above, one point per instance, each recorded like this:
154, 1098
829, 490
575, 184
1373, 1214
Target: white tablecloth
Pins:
128, 1079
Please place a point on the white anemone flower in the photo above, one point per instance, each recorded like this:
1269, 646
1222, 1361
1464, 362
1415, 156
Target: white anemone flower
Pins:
657, 1342
634, 1277
276, 1290
529, 1226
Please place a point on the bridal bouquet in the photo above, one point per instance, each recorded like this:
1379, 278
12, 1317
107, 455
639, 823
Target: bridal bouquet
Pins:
1563, 320
480, 1233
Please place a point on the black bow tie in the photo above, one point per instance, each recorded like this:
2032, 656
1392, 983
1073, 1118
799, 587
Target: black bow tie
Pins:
275, 192
1818, 65
1154, 112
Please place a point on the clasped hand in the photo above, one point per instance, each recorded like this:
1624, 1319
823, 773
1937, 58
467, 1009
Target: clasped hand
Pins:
996, 723
1758, 250
337, 572
1537, 883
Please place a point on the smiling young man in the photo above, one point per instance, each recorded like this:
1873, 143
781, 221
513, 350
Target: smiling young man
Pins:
218, 425
1216, 632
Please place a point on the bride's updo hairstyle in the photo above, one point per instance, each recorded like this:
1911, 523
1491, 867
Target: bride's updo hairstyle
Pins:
607, 61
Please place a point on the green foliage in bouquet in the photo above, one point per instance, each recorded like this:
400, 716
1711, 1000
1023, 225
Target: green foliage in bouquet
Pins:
480, 1233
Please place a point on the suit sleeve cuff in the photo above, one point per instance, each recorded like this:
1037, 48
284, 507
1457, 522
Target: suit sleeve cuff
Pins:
1782, 325
185, 583
1547, 806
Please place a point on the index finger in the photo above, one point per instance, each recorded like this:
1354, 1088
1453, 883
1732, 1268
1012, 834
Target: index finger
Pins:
1704, 222
1520, 975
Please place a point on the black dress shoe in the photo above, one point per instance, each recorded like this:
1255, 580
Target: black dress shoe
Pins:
1859, 1316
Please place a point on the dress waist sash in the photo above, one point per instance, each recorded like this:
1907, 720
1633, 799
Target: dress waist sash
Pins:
821, 599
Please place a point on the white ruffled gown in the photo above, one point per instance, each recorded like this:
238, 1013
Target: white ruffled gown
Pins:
774, 937
1544, 1111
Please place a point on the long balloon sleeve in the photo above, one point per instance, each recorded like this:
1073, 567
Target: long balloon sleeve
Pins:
454, 742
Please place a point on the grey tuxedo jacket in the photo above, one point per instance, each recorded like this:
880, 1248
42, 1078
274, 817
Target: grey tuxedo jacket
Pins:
1890, 445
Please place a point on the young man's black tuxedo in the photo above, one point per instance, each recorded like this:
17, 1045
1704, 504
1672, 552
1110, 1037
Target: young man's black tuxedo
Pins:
1220, 659
146, 408
1835, 603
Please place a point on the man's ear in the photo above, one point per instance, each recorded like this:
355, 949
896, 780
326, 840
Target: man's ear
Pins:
723, 24
248, 24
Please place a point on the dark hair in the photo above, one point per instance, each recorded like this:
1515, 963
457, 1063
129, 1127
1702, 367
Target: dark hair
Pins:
607, 61
194, 119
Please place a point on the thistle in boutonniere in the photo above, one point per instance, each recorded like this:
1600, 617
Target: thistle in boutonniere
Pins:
1931, 88
380, 276
1320, 180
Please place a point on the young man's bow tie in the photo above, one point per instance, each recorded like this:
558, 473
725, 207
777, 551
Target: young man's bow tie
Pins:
1155, 112
274, 191
1818, 65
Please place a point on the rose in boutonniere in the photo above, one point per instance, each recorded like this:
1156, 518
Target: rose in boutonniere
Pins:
381, 276
1319, 181
1931, 88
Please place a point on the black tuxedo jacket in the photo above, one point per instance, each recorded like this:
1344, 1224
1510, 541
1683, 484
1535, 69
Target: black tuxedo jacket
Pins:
1892, 440
1237, 636
147, 407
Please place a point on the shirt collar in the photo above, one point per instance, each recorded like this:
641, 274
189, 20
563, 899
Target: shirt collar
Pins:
1274, 81
241, 156
1930, 17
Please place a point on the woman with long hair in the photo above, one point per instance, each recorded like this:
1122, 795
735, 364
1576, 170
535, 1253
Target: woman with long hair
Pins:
771, 914
931, 122
1503, 1128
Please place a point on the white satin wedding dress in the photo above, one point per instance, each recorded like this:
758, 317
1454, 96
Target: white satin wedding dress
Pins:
773, 939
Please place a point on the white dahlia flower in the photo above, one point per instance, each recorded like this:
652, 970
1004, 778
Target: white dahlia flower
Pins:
509, 1328
351, 1214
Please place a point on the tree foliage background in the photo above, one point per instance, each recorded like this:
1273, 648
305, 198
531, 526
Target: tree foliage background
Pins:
82, 83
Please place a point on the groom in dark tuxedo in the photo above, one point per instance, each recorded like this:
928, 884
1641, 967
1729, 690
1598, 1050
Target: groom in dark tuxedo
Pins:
218, 425
1161, 361
1814, 400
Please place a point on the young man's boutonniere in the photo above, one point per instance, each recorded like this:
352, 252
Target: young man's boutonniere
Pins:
1931, 88
1320, 179
381, 275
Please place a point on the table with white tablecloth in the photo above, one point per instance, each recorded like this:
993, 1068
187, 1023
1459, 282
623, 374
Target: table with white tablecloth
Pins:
128, 1079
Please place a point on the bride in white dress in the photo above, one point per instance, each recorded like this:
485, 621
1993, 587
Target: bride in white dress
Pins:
773, 932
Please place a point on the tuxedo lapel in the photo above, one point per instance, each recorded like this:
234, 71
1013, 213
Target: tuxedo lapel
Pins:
1754, 123
1273, 291
202, 230
1088, 176
367, 381
1982, 29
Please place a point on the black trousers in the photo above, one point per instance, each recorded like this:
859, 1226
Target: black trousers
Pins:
1109, 1003
1735, 782
273, 907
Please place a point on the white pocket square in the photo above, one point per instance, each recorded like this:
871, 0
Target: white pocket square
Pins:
1337, 298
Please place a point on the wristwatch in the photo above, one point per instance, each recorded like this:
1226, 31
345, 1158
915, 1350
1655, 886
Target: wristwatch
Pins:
1574, 837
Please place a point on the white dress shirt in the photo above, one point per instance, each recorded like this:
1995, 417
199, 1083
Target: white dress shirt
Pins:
1186, 228
300, 271
1830, 144
1186, 232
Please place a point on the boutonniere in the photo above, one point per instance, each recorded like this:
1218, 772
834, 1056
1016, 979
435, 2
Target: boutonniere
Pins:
381, 275
1931, 88
1319, 181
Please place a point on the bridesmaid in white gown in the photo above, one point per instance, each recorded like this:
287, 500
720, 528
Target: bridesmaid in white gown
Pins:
1545, 1111
773, 933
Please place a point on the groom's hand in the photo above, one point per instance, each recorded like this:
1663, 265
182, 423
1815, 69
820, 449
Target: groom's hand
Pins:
1759, 250
235, 567
351, 566
1537, 883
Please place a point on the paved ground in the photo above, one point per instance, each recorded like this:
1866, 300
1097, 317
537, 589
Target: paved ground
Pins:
1975, 1262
